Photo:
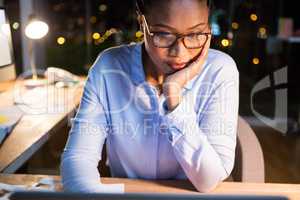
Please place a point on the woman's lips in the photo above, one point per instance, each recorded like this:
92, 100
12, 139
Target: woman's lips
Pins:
177, 65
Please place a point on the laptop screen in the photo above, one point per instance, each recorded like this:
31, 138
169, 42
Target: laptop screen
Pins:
5, 41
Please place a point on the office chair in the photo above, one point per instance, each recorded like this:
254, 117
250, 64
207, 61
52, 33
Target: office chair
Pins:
249, 160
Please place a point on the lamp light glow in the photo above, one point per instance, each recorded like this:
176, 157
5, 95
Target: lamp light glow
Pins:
36, 30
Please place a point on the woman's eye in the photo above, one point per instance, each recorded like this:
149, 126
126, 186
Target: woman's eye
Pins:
196, 35
193, 36
163, 34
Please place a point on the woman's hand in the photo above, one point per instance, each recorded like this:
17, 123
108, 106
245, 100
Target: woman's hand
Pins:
174, 83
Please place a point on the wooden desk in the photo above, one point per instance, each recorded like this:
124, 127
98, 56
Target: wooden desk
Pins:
33, 130
174, 186
6, 85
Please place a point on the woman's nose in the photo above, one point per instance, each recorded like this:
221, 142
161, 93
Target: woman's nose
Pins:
177, 49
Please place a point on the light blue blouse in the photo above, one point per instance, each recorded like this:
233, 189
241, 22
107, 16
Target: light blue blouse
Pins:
195, 141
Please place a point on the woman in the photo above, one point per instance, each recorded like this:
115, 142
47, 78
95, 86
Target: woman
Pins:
167, 107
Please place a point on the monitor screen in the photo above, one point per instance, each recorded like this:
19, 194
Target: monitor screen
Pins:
6, 57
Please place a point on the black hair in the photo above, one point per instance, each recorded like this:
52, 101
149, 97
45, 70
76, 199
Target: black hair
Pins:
143, 6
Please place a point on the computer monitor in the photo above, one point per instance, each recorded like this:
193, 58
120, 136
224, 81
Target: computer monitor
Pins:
7, 66
135, 196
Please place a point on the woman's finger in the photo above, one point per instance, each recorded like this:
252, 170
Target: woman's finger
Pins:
197, 64
204, 52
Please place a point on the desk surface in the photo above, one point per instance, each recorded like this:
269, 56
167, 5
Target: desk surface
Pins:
173, 186
6, 85
33, 130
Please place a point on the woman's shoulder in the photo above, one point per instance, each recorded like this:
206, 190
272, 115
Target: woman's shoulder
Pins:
116, 58
220, 62
114, 62
120, 54
218, 58
119, 50
218, 67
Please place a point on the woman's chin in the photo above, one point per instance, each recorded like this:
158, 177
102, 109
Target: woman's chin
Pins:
168, 69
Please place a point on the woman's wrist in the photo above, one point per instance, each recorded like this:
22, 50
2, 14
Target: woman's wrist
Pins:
172, 105
172, 92
172, 100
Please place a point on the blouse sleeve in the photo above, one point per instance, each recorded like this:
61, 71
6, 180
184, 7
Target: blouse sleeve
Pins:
204, 141
82, 153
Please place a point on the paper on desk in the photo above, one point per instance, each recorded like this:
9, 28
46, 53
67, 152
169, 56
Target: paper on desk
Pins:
113, 188
8, 189
48, 182
116, 188
33, 101
44, 100
9, 116
50, 186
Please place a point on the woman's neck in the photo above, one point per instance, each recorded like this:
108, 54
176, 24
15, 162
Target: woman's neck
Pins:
152, 74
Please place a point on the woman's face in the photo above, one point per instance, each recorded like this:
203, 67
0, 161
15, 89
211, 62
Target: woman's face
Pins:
176, 16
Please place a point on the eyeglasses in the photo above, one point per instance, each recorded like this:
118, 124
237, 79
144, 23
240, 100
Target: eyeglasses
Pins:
166, 40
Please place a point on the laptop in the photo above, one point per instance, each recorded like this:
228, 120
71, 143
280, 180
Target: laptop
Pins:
134, 196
